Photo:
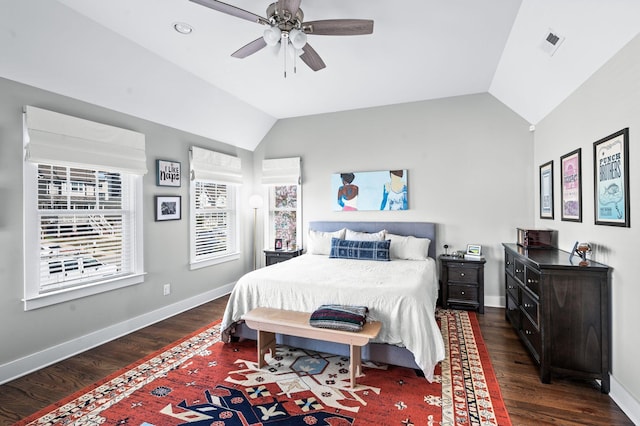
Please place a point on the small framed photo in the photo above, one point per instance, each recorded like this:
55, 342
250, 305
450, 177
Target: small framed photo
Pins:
474, 249
167, 173
571, 183
611, 180
546, 190
168, 207
278, 244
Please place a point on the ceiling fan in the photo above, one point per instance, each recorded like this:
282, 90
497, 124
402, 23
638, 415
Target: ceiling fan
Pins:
286, 26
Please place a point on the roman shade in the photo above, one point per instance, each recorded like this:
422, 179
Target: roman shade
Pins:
54, 138
215, 166
281, 171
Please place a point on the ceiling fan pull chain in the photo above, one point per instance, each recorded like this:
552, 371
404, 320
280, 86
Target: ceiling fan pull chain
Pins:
285, 43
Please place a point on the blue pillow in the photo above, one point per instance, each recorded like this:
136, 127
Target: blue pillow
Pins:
361, 250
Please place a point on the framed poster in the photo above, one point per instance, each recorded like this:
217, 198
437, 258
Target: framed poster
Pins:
546, 190
377, 190
571, 180
167, 173
168, 207
611, 179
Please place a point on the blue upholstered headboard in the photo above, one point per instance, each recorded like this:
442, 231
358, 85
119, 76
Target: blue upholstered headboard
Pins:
417, 229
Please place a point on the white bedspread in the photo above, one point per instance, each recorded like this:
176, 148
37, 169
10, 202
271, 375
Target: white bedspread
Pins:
401, 294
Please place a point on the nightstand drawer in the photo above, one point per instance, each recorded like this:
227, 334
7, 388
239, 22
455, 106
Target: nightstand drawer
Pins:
277, 256
463, 274
463, 293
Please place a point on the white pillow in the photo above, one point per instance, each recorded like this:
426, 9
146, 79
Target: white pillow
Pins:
365, 236
320, 242
409, 247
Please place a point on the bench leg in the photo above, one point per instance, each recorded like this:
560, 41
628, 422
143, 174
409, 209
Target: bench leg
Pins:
355, 366
266, 343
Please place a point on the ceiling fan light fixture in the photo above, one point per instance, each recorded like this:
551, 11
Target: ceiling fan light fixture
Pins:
183, 28
272, 36
298, 38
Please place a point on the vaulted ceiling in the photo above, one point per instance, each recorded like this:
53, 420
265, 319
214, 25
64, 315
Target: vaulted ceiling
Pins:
126, 55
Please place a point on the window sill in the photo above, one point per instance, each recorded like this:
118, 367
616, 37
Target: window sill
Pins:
197, 264
55, 297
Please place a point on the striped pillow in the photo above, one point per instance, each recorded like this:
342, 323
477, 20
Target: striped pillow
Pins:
362, 250
339, 317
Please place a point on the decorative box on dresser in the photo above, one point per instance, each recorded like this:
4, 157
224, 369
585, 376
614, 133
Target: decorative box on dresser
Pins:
462, 283
277, 256
560, 311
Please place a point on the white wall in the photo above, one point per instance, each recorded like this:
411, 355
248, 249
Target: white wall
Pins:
609, 101
38, 335
469, 162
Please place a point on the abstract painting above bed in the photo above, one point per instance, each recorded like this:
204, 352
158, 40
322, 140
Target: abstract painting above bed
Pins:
399, 293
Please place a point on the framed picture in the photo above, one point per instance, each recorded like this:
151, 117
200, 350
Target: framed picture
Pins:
377, 190
278, 244
168, 207
167, 173
474, 249
546, 190
611, 179
571, 181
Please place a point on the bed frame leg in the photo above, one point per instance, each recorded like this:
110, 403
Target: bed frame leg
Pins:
266, 343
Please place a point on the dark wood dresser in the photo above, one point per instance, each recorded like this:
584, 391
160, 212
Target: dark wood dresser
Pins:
561, 311
462, 283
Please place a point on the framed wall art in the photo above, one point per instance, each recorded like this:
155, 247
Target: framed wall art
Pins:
571, 181
168, 207
167, 173
611, 179
546, 190
378, 190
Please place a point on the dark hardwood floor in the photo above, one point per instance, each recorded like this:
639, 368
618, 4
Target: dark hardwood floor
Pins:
529, 402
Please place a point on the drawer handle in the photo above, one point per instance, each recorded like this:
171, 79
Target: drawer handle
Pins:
528, 333
462, 292
532, 281
462, 274
518, 271
528, 305
511, 287
508, 263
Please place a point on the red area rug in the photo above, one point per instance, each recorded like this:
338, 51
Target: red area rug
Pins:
201, 381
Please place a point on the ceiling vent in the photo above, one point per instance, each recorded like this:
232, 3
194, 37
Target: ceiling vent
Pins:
551, 42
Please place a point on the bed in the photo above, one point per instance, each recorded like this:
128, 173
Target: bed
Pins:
400, 293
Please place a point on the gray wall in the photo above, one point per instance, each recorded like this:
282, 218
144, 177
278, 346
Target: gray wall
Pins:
469, 162
607, 102
166, 244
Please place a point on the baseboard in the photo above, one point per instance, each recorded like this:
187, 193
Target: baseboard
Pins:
625, 401
33, 362
494, 301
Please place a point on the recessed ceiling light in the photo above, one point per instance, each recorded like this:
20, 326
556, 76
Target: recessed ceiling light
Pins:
183, 28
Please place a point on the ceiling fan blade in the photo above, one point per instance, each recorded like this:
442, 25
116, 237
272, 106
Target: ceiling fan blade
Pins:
311, 58
250, 49
232, 10
338, 27
290, 5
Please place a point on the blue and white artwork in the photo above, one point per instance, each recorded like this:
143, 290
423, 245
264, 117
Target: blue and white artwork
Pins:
380, 190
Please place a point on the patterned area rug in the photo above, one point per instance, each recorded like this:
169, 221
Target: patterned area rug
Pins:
201, 381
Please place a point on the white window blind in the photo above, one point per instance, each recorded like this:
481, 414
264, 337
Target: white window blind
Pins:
281, 171
214, 227
82, 202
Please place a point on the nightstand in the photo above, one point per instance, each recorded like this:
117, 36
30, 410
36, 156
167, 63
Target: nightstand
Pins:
462, 283
277, 256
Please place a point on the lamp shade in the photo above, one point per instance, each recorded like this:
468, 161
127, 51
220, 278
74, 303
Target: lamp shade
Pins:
255, 201
298, 38
272, 36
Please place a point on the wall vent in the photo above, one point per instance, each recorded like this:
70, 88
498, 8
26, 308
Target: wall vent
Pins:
551, 42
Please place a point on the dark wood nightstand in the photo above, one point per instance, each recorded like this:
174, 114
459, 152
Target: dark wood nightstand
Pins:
277, 256
462, 283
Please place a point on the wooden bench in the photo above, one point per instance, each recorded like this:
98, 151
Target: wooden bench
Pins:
269, 321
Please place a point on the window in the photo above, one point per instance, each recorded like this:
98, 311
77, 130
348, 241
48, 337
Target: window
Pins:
213, 207
83, 226
283, 215
282, 178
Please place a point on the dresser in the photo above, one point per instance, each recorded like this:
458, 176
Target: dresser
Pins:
462, 283
561, 311
277, 256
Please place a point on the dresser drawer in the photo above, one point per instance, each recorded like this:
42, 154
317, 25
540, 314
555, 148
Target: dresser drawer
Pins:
513, 289
463, 293
533, 280
518, 270
508, 263
531, 307
513, 312
462, 273
532, 337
